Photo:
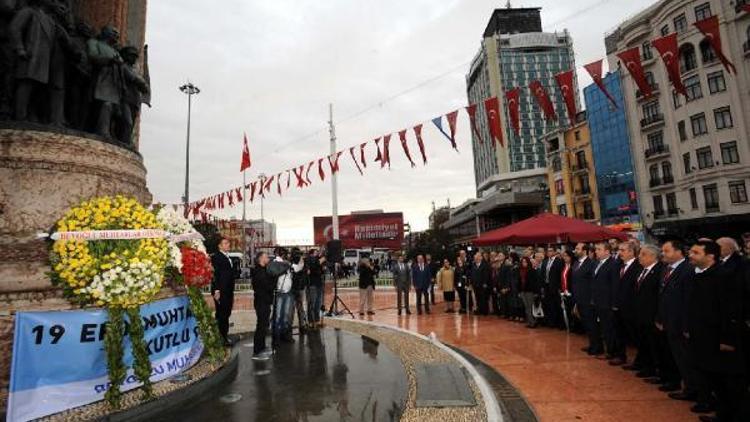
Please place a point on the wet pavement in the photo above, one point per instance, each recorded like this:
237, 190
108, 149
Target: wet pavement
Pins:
331, 375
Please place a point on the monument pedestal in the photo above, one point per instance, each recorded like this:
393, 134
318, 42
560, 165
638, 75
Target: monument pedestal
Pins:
42, 175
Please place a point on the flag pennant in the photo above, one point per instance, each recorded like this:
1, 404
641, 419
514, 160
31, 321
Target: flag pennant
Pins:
321, 173
268, 183
420, 142
595, 71
386, 151
565, 84
246, 161
669, 51
238, 194
492, 108
221, 200
710, 28
278, 184
379, 157
288, 179
230, 197
405, 146
512, 97
631, 58
308, 181
542, 98
451, 118
333, 161
438, 122
471, 110
362, 154
253, 187
298, 175
204, 217
356, 163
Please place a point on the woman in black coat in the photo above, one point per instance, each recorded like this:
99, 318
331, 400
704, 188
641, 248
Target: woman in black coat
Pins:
529, 287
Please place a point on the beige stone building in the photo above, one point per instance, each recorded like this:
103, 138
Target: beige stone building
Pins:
691, 154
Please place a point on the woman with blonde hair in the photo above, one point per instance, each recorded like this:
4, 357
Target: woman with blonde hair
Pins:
445, 280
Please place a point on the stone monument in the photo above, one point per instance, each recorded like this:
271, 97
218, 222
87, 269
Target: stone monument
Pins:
55, 149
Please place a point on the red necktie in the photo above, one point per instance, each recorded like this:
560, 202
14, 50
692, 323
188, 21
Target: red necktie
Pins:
622, 271
643, 275
667, 274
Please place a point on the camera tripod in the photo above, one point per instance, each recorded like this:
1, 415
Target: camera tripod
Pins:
333, 310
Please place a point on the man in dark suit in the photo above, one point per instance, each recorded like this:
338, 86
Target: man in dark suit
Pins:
582, 279
481, 279
603, 291
222, 287
672, 315
714, 332
552, 268
402, 281
422, 278
623, 306
645, 306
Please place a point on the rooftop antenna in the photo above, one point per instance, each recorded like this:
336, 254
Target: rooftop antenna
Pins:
508, 5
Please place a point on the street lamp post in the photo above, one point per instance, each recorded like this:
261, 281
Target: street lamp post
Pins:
190, 90
262, 178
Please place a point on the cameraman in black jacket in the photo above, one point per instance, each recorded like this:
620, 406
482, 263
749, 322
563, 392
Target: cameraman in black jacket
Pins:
263, 287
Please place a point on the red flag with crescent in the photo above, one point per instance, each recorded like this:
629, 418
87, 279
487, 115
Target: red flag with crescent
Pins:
333, 161
512, 97
670, 55
492, 108
710, 28
238, 193
595, 71
354, 158
471, 110
420, 142
565, 84
221, 200
542, 98
298, 175
230, 197
246, 161
386, 151
631, 58
379, 157
269, 182
278, 184
307, 173
452, 118
362, 154
288, 179
405, 146
252, 186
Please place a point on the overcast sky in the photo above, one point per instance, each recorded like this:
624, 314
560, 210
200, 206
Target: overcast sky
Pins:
270, 68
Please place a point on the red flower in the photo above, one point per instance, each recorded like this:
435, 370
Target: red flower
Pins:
197, 270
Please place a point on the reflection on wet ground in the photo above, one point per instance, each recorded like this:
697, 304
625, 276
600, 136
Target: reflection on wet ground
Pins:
329, 375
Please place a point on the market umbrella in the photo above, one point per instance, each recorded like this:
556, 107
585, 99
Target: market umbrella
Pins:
548, 228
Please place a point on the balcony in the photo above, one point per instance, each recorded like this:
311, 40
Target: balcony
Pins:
652, 120
659, 214
656, 151
581, 193
580, 167
654, 183
674, 212
654, 88
667, 180
712, 208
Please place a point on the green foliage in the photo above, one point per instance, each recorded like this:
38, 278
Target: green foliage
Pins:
207, 328
141, 362
436, 242
113, 348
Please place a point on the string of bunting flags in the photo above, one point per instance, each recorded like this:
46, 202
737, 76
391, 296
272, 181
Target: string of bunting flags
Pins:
667, 47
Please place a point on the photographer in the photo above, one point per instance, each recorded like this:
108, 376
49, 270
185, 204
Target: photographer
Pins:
299, 285
282, 322
314, 264
263, 286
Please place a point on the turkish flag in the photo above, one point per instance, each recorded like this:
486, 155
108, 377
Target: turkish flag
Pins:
386, 151
362, 154
246, 161
631, 58
538, 91
231, 198
567, 89
492, 108
238, 193
595, 71
512, 97
420, 142
471, 110
321, 173
379, 157
253, 188
670, 55
298, 175
221, 200
333, 161
269, 181
710, 28
354, 158
307, 173
278, 184
451, 118
405, 146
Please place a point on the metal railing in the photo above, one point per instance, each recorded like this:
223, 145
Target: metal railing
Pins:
650, 120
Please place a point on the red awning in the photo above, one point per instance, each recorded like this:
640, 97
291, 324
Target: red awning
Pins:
548, 228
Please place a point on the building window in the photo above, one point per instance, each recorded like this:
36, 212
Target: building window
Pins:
723, 118
688, 61
559, 187
702, 11
653, 171
658, 206
693, 88
651, 110
704, 157
680, 24
693, 199
655, 141
698, 122
686, 163
729, 153
585, 187
664, 30
671, 203
588, 211
581, 159
646, 49
711, 197
737, 192
556, 164
676, 99
681, 130
578, 135
562, 210
716, 82
707, 52
666, 172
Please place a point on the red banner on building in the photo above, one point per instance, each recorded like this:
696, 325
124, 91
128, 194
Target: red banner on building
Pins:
377, 230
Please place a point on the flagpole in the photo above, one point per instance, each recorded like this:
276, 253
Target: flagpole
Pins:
244, 218
334, 181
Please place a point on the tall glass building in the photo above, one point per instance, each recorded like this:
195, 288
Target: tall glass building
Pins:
613, 161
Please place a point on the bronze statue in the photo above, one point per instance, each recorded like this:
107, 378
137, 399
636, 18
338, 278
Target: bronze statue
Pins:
135, 90
108, 80
79, 91
7, 10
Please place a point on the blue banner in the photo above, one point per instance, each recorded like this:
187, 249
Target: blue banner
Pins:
59, 360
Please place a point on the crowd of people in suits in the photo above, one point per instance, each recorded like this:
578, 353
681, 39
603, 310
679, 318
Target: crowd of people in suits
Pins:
684, 309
